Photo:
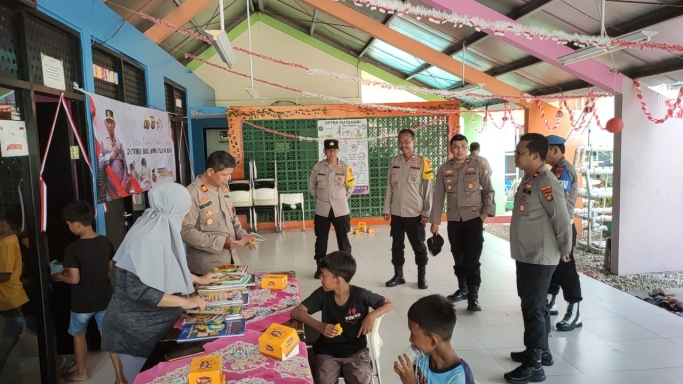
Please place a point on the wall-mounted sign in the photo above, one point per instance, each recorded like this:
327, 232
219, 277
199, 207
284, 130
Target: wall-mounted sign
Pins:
105, 74
75, 152
13, 138
179, 103
53, 72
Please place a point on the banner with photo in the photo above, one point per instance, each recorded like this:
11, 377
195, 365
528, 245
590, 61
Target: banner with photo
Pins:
353, 144
133, 145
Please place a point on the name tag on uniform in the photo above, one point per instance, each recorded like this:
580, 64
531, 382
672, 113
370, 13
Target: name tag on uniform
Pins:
414, 167
449, 171
396, 167
528, 192
449, 180
470, 173
393, 172
206, 205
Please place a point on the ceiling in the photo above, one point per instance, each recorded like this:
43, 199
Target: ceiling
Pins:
485, 53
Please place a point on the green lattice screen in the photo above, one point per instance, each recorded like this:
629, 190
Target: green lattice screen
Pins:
296, 158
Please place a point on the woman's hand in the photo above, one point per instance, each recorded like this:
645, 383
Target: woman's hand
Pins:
205, 279
194, 303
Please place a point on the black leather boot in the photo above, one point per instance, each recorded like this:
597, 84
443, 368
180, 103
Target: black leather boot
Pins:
398, 277
473, 299
521, 356
531, 371
421, 277
318, 272
552, 307
461, 293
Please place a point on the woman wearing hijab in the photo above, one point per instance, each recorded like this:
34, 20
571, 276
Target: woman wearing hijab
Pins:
152, 280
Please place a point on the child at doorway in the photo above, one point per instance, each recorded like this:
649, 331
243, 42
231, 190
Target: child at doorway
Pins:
346, 319
87, 263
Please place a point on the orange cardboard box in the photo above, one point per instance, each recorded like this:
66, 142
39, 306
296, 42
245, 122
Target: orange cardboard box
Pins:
272, 281
279, 342
371, 229
362, 225
206, 370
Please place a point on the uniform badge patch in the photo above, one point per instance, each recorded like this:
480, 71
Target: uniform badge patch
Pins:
523, 198
209, 221
450, 186
203, 200
528, 186
522, 208
225, 190
547, 193
470, 169
535, 175
558, 172
320, 178
204, 188
470, 185
449, 171
210, 212
413, 179
485, 169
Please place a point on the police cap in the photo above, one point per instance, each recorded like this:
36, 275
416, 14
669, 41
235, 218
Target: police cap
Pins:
331, 144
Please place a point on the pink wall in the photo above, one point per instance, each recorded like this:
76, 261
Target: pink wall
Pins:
648, 184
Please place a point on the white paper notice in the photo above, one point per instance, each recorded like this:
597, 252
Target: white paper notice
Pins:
13, 138
53, 72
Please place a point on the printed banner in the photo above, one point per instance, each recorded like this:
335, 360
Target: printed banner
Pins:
352, 135
134, 147
13, 138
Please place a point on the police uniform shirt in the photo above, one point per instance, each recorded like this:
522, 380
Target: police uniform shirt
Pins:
566, 174
540, 231
467, 189
331, 188
118, 165
211, 219
409, 187
485, 161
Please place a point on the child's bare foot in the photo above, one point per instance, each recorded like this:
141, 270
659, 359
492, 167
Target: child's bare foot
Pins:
75, 376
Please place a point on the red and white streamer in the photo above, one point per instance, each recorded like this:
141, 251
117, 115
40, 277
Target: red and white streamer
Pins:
43, 186
671, 106
502, 28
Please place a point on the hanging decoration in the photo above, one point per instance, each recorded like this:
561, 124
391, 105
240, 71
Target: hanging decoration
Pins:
671, 106
615, 125
501, 28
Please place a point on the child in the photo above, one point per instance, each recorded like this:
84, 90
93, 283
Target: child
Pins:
346, 319
87, 263
431, 321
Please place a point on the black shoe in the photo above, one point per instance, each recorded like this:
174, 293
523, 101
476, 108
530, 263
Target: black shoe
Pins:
521, 356
525, 374
552, 307
421, 278
318, 271
461, 293
473, 299
398, 277
571, 320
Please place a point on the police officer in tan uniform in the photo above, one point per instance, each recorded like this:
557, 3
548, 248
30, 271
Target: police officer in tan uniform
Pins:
465, 183
331, 183
211, 229
540, 236
475, 148
408, 202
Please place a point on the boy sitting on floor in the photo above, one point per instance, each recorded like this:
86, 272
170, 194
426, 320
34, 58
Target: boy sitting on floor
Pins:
341, 349
431, 321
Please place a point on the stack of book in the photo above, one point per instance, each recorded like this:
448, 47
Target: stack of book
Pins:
231, 276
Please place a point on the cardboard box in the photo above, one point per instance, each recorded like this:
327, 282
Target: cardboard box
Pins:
362, 225
271, 281
279, 342
206, 370
371, 229
358, 232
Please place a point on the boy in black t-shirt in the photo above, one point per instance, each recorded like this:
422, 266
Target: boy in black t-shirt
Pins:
87, 263
346, 319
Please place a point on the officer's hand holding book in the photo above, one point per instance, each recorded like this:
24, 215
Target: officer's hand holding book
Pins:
231, 243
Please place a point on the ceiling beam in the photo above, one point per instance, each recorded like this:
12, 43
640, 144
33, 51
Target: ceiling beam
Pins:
661, 68
590, 71
178, 17
413, 47
526, 9
386, 21
568, 86
513, 66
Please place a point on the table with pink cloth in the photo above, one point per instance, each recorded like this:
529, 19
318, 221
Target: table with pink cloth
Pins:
242, 361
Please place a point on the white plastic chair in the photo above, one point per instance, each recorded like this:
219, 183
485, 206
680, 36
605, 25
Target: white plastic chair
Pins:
264, 194
292, 199
242, 199
375, 343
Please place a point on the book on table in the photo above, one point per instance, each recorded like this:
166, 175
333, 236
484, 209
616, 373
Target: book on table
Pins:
197, 332
231, 270
251, 239
230, 311
231, 282
204, 318
223, 297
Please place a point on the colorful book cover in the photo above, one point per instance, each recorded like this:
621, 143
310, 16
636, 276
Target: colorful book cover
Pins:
230, 311
204, 318
229, 328
221, 296
251, 239
231, 282
231, 270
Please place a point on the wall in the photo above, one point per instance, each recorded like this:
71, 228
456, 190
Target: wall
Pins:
646, 158
95, 21
199, 126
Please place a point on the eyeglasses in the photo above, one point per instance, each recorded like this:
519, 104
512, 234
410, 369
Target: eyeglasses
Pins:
519, 153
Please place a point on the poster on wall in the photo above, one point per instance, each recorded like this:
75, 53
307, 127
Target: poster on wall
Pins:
353, 144
13, 138
134, 147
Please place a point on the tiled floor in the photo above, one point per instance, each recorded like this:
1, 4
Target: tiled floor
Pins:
623, 340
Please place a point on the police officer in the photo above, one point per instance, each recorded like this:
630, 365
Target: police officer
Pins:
211, 228
475, 148
408, 202
540, 236
565, 275
465, 183
331, 183
113, 155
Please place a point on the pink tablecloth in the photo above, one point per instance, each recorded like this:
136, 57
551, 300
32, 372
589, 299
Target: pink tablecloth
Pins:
242, 361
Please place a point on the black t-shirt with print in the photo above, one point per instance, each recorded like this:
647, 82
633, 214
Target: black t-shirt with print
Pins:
349, 316
91, 257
